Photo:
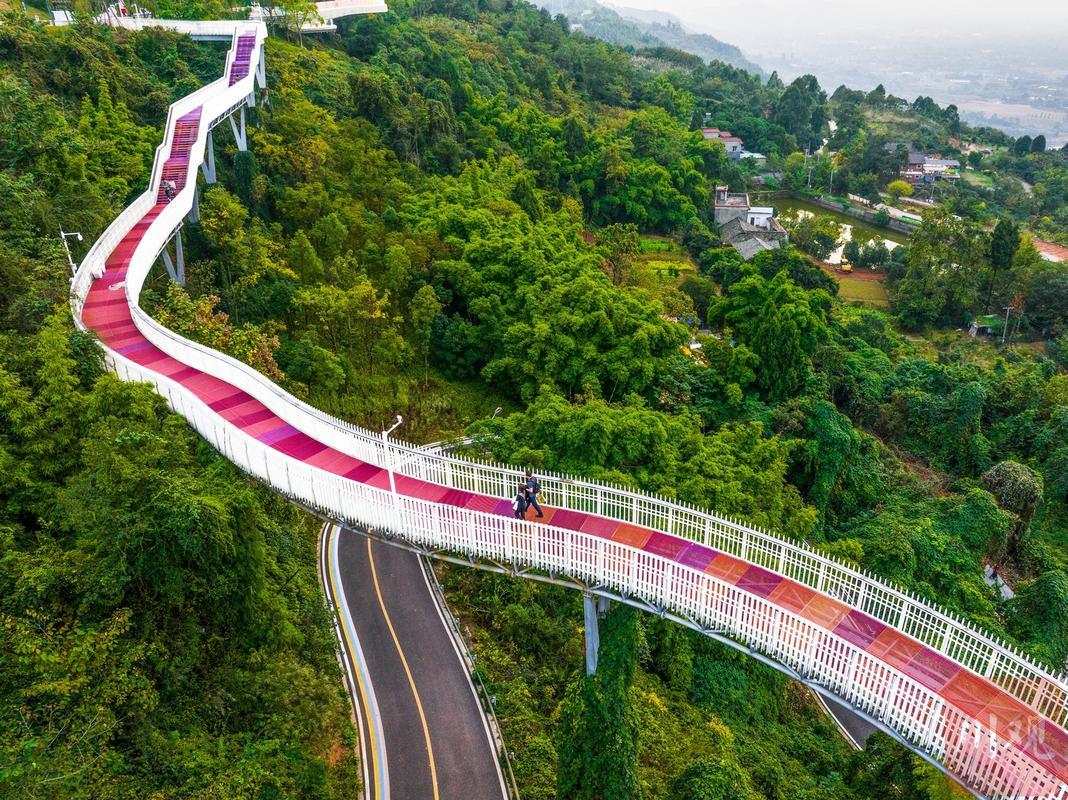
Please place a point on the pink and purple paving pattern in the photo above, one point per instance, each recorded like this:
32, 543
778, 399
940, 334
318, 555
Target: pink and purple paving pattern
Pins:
106, 311
242, 62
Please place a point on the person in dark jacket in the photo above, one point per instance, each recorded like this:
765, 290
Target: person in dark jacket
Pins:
519, 502
533, 489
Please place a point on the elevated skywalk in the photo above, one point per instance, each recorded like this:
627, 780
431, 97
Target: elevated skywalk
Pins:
329, 12
983, 712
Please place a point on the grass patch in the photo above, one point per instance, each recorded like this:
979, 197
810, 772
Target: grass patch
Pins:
665, 258
974, 178
660, 245
661, 262
864, 291
667, 270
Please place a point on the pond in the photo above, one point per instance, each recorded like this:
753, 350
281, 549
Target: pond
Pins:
853, 228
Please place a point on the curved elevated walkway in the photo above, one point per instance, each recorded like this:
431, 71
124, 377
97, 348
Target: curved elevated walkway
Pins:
329, 11
984, 713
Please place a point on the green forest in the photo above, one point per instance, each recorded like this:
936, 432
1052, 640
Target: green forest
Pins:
442, 211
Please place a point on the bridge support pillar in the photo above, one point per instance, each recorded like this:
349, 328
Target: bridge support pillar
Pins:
593, 608
175, 268
194, 212
207, 166
261, 70
239, 130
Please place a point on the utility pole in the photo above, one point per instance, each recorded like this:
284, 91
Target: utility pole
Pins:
1005, 333
63, 237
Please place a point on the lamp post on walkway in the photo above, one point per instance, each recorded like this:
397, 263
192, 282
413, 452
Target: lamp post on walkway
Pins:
63, 237
389, 468
388, 455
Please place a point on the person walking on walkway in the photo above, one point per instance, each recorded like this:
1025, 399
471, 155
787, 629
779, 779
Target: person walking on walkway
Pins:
533, 490
519, 502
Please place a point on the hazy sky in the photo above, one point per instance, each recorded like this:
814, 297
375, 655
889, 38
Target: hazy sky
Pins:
1003, 63
753, 24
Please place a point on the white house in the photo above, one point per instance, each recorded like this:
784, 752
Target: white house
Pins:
734, 146
760, 215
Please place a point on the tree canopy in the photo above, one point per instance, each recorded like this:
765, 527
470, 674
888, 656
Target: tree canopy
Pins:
458, 207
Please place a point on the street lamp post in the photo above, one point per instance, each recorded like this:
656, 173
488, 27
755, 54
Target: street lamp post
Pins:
63, 237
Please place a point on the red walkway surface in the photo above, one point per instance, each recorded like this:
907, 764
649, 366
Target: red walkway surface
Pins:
106, 312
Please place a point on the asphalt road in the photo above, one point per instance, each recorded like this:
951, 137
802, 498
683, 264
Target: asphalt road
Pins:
432, 739
421, 726
856, 727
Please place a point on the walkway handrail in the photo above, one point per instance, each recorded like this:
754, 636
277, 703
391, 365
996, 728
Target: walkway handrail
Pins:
1002, 663
1016, 672
976, 749
805, 648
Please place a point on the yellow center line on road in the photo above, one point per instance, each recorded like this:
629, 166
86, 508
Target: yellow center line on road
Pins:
379, 789
407, 671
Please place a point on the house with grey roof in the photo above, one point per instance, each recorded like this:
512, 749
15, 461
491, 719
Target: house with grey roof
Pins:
748, 248
756, 232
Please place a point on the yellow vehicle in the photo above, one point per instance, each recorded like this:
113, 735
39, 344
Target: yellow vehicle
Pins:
845, 266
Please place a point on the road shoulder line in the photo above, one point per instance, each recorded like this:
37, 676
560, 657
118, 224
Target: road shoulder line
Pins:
359, 675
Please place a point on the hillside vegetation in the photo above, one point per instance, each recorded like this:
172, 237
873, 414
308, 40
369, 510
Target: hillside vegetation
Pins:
441, 212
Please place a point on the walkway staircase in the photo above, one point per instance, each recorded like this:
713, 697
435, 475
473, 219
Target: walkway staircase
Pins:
239, 69
176, 167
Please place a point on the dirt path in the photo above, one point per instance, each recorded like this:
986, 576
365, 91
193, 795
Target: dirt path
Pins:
857, 274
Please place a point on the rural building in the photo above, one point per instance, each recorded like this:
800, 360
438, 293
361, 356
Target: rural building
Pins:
733, 145
729, 205
760, 216
922, 169
757, 231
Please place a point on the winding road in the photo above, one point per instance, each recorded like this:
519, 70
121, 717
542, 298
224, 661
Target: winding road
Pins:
422, 728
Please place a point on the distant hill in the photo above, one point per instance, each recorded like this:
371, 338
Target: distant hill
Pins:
631, 27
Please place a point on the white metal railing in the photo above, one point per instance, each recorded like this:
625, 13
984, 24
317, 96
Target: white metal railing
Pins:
919, 715
965, 746
215, 29
1015, 672
328, 10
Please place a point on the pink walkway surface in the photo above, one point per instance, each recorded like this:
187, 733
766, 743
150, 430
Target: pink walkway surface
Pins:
106, 312
246, 43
